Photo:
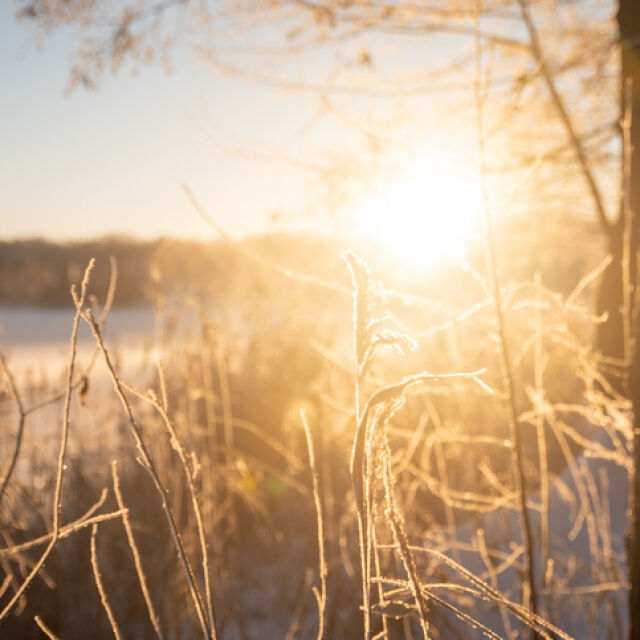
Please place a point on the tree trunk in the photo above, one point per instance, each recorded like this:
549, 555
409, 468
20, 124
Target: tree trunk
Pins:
629, 25
609, 303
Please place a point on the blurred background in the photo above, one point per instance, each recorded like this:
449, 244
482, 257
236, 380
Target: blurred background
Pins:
217, 159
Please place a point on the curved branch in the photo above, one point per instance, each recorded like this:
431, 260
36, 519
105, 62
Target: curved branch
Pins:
563, 114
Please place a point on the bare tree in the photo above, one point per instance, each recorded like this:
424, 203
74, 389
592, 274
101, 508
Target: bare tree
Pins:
625, 241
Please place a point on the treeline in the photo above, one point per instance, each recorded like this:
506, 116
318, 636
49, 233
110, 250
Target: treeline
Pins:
38, 272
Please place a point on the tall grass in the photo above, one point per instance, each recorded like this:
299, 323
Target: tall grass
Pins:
390, 499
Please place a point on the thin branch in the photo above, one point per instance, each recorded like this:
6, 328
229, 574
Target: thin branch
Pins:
45, 629
506, 361
563, 113
64, 437
65, 532
176, 444
98, 579
134, 550
322, 563
149, 466
21, 420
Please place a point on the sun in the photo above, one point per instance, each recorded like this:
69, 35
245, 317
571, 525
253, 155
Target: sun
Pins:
425, 216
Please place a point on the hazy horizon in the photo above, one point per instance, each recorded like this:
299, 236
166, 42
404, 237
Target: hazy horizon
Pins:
114, 160
259, 157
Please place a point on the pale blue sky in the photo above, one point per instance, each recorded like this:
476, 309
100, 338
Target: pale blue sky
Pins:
114, 160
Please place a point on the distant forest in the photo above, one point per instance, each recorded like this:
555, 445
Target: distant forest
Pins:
38, 272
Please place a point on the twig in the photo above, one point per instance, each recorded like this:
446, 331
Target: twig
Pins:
134, 550
45, 629
98, 579
565, 117
65, 532
21, 419
294, 627
357, 467
540, 423
521, 612
402, 543
59, 395
64, 436
176, 444
321, 597
493, 577
148, 465
506, 362
19, 547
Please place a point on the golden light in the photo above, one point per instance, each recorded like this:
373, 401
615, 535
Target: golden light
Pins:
425, 216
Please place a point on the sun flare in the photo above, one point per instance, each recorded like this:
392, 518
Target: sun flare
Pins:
424, 216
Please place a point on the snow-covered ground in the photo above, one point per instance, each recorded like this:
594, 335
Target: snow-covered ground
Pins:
582, 586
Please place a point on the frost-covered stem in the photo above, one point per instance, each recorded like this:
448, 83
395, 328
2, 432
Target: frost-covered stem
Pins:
321, 596
505, 356
64, 438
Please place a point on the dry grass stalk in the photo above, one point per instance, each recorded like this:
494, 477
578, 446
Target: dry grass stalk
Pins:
65, 532
80, 379
134, 550
98, 580
361, 319
22, 415
369, 336
210, 402
505, 355
396, 597
294, 626
149, 466
227, 422
64, 438
321, 596
443, 476
539, 365
176, 444
5, 584
365, 456
526, 615
219, 474
80, 523
398, 527
373, 465
493, 578
47, 632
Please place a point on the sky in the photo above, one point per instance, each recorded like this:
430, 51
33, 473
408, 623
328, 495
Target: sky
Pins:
114, 161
